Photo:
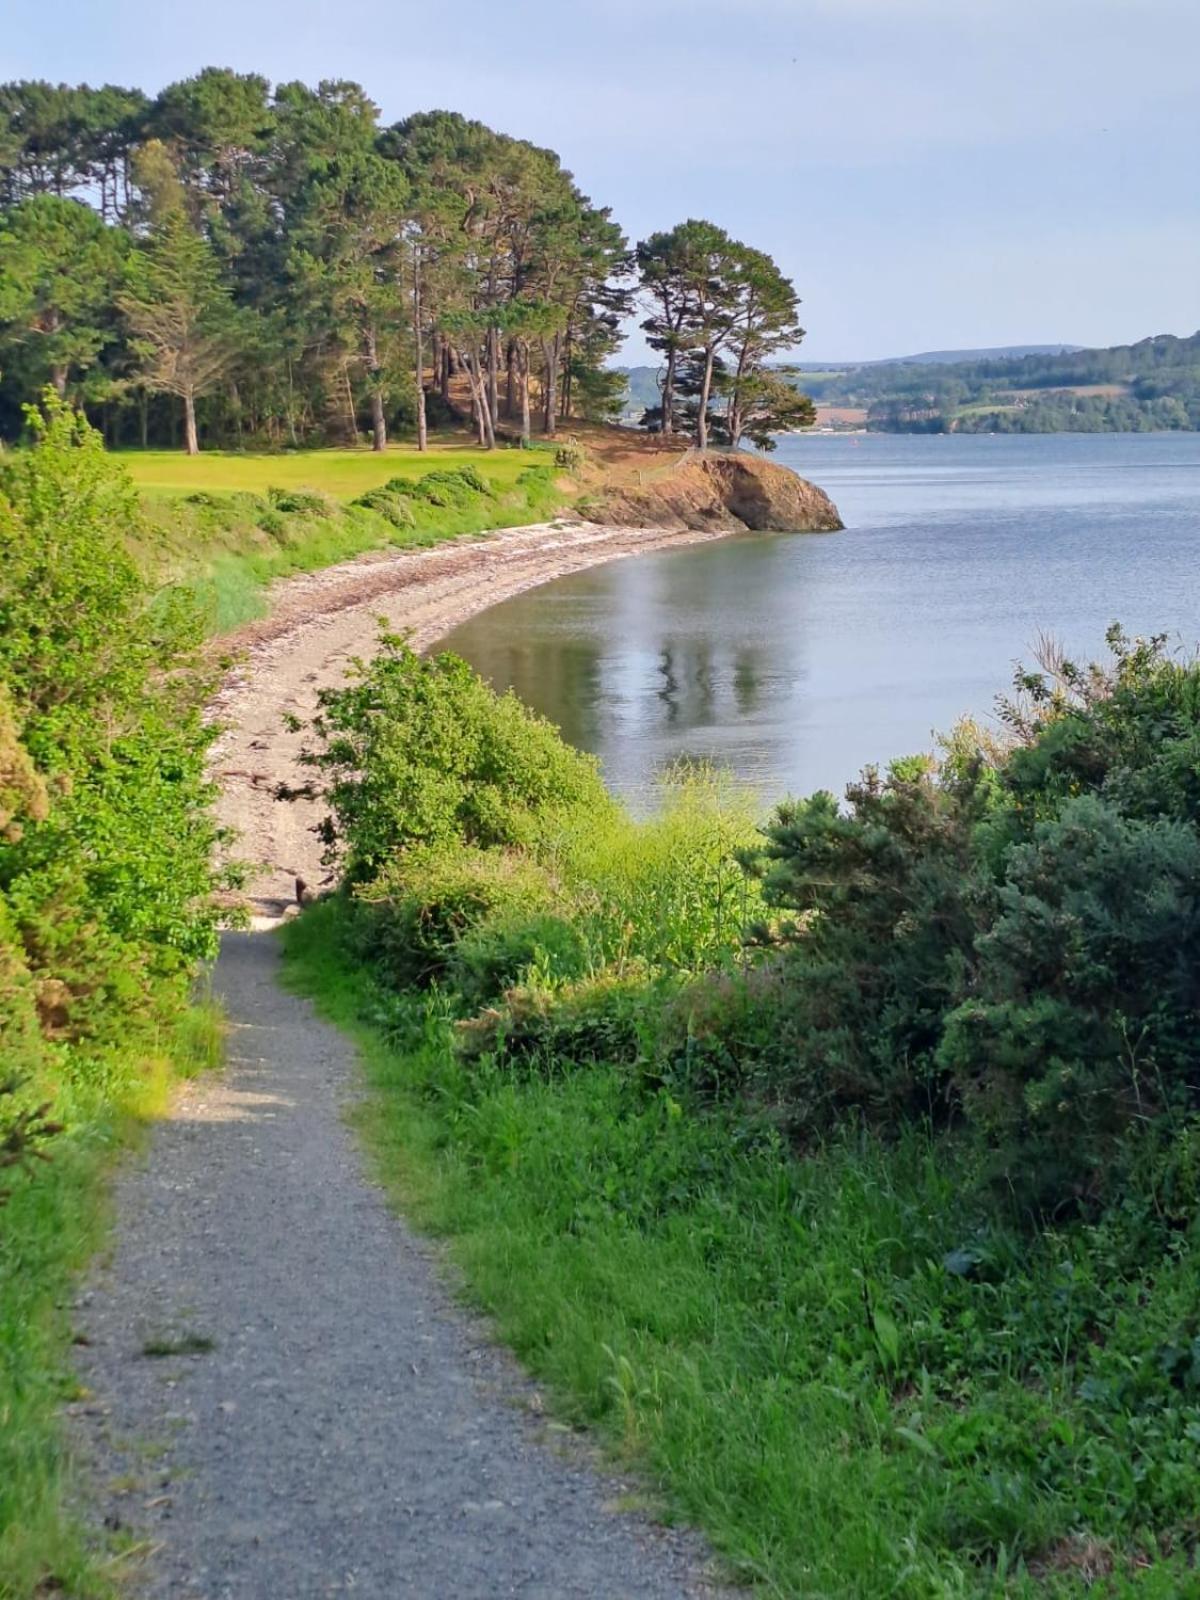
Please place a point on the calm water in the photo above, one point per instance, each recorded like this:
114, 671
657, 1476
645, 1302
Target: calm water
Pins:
794, 659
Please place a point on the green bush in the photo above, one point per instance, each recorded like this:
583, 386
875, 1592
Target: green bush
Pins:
503, 951
1010, 937
106, 878
416, 751
394, 507
1083, 1018
416, 911
606, 1018
301, 502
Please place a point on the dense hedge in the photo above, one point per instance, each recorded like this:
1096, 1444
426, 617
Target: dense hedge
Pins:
106, 833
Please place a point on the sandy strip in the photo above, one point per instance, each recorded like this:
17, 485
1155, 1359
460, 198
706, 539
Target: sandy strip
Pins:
319, 621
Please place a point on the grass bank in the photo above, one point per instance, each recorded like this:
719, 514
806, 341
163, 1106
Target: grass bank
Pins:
778, 1343
55, 1219
224, 527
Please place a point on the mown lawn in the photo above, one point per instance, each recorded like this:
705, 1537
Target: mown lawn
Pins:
339, 473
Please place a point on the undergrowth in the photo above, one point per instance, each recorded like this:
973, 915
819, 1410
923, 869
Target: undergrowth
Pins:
846, 1173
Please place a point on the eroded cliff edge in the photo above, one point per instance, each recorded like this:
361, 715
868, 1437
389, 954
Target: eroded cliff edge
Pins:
719, 491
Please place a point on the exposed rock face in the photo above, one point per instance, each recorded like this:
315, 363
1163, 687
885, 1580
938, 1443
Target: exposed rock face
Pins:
721, 491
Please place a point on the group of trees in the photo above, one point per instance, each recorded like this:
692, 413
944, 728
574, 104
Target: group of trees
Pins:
281, 266
278, 267
720, 313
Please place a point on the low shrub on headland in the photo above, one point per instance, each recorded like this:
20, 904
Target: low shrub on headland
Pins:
106, 908
847, 1171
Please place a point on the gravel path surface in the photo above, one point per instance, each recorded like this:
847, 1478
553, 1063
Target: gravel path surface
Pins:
339, 1425
319, 621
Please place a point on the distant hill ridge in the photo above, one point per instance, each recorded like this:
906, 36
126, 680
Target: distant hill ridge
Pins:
1150, 386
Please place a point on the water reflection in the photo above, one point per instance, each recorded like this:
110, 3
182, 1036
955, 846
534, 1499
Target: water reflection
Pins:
794, 660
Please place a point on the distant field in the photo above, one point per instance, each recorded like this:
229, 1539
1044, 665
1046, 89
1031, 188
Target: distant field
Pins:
1106, 391
340, 473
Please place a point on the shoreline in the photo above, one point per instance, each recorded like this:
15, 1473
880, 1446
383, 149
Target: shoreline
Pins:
319, 621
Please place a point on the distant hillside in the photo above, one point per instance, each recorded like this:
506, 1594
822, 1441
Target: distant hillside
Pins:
1143, 387
1150, 386
1001, 352
642, 382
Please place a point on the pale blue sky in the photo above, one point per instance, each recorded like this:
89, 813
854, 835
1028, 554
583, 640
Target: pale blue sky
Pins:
932, 173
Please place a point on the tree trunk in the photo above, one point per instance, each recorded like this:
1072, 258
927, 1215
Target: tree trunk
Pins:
444, 373
419, 349
705, 392
351, 414
550, 412
511, 362
668, 395
483, 416
493, 382
523, 379
190, 441
378, 419
144, 417
58, 377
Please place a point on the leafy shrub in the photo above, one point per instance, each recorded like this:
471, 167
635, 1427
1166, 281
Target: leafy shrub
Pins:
105, 875
417, 751
300, 502
274, 522
392, 506
502, 952
417, 910
606, 1018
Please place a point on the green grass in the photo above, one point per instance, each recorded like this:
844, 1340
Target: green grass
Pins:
215, 525
52, 1225
342, 474
778, 1342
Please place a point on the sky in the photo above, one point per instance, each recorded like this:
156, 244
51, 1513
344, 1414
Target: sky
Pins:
931, 174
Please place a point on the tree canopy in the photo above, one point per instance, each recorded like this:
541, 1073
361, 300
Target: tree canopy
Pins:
237, 264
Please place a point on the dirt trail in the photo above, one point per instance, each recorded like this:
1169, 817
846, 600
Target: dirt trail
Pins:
284, 1403
319, 621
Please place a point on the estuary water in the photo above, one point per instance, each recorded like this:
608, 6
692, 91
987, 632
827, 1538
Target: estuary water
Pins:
795, 659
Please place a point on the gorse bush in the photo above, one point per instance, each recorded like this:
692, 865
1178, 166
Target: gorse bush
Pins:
1010, 937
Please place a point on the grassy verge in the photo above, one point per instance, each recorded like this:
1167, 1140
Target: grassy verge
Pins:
225, 527
779, 1341
52, 1224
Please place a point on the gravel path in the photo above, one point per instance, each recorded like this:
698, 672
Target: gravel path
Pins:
339, 1425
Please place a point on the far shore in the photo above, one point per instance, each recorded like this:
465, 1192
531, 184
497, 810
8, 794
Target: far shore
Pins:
318, 622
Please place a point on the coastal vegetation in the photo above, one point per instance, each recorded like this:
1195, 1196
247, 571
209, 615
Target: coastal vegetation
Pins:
106, 910
238, 266
843, 1170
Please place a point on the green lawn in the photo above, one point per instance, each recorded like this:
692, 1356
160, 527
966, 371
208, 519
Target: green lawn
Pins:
226, 526
340, 473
